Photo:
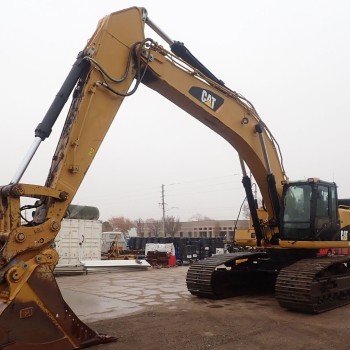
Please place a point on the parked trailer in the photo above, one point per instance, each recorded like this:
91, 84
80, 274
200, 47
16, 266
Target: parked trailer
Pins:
109, 239
78, 240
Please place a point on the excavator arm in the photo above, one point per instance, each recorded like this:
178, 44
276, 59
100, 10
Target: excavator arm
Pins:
33, 314
117, 58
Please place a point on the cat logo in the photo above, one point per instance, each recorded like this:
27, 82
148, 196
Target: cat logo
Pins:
207, 97
343, 235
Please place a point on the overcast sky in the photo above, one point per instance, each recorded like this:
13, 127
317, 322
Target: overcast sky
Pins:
289, 58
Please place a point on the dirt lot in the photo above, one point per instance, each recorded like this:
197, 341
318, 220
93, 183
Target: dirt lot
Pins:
173, 319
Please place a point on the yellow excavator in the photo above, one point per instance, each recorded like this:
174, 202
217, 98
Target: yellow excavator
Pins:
301, 217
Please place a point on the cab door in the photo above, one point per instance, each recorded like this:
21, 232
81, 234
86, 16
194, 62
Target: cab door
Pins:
326, 216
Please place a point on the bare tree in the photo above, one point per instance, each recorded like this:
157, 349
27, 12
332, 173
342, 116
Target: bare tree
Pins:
245, 211
140, 227
120, 223
154, 227
198, 217
216, 229
171, 225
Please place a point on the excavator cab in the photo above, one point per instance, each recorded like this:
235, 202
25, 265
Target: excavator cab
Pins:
309, 211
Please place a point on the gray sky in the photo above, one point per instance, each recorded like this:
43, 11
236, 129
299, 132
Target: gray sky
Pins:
289, 58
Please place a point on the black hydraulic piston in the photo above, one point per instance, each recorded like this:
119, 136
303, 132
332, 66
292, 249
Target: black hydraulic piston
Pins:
271, 181
44, 128
270, 178
247, 184
180, 50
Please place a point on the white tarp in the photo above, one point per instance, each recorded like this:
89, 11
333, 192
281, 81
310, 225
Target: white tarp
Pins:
160, 247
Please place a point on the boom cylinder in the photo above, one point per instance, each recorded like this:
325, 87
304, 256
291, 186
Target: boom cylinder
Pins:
44, 128
270, 178
247, 184
180, 50
26, 160
159, 31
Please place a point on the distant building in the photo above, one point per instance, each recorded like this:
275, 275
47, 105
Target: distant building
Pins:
206, 228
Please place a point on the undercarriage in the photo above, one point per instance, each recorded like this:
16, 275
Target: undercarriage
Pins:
309, 285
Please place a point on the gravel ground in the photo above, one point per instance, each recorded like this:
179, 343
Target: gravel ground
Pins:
254, 322
175, 320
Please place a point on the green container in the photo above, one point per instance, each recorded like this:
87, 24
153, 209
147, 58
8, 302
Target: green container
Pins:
82, 212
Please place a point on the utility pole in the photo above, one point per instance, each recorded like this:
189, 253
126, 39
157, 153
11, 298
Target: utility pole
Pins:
163, 209
163, 204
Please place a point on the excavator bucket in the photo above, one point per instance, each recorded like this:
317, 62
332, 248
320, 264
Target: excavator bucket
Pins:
38, 318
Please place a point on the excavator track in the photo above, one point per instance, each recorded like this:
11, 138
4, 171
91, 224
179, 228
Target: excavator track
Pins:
222, 276
314, 285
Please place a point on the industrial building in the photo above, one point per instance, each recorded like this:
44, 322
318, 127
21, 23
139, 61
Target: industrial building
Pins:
206, 228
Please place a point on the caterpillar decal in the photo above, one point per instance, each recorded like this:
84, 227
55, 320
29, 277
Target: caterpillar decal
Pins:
209, 98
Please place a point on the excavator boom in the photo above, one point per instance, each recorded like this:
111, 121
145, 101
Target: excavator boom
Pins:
115, 61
